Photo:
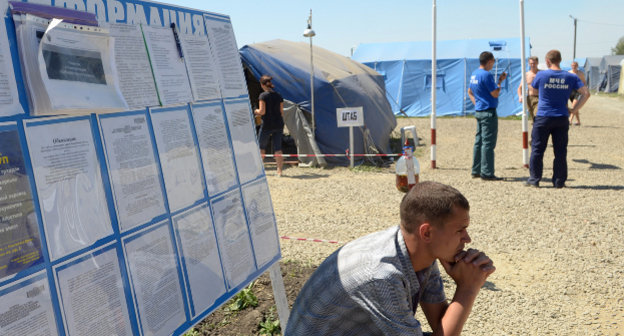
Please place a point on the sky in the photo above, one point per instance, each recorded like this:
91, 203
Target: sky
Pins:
341, 25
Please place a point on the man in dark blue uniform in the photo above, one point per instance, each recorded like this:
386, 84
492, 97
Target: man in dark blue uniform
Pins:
483, 92
554, 86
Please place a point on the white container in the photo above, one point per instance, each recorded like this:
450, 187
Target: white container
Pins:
405, 182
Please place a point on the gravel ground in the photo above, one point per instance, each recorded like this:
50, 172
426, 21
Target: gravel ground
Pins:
558, 252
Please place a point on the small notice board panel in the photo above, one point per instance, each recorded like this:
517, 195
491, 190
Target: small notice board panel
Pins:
350, 116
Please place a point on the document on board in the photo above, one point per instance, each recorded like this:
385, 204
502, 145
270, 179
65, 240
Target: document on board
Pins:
233, 238
172, 81
248, 160
69, 184
76, 67
27, 308
178, 157
20, 243
155, 282
223, 43
133, 169
261, 221
92, 295
215, 147
198, 246
9, 97
136, 81
201, 66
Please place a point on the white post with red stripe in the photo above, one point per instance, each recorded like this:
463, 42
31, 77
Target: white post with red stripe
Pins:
525, 119
433, 88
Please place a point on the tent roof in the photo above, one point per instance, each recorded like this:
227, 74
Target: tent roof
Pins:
297, 55
449, 49
593, 61
612, 60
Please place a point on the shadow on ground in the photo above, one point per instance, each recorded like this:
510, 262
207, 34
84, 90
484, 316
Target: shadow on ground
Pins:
593, 165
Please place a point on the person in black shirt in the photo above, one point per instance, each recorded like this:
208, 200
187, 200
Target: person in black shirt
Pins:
272, 111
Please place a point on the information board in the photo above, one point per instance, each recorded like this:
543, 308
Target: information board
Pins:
133, 222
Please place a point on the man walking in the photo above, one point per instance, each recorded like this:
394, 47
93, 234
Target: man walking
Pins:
554, 86
483, 93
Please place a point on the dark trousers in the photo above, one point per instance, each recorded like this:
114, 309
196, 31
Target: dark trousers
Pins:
485, 142
543, 127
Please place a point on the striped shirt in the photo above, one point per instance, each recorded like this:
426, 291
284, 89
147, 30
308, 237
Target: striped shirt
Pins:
367, 287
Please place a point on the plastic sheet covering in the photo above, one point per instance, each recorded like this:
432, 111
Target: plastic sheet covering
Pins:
298, 124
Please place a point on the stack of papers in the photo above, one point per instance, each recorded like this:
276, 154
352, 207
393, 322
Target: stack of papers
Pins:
68, 68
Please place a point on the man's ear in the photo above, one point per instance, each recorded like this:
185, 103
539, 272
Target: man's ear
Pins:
424, 231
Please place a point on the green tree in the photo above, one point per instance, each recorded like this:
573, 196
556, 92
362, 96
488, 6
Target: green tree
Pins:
619, 47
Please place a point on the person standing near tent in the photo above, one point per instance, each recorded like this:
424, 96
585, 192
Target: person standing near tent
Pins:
483, 93
554, 86
373, 285
532, 94
271, 109
575, 94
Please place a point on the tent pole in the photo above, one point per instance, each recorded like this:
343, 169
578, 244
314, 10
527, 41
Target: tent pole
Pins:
525, 119
433, 87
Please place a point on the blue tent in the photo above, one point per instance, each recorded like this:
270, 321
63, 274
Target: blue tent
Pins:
338, 82
406, 67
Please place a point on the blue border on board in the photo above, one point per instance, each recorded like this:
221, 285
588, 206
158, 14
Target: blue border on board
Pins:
41, 264
21, 283
262, 181
48, 122
174, 221
17, 69
187, 109
42, 233
232, 101
223, 197
157, 218
217, 102
179, 329
113, 246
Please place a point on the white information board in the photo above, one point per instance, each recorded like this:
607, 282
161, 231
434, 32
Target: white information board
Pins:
141, 221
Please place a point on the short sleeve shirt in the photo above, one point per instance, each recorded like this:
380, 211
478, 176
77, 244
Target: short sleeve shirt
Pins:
367, 287
482, 84
554, 88
272, 119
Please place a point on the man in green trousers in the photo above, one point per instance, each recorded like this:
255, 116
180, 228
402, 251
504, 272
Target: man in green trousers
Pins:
484, 92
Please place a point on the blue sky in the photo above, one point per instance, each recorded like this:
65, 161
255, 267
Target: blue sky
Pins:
343, 24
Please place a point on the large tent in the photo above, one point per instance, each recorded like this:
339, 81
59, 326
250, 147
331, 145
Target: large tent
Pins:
406, 67
610, 73
338, 82
592, 72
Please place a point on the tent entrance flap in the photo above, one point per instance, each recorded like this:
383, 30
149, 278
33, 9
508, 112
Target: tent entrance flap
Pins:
299, 127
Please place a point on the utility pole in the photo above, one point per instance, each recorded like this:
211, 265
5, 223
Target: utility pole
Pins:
574, 52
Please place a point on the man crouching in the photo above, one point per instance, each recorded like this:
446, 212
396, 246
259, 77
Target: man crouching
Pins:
373, 285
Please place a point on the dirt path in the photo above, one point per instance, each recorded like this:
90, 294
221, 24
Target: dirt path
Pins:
559, 252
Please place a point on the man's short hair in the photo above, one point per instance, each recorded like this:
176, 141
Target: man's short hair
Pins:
431, 202
574, 62
534, 58
485, 57
554, 56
